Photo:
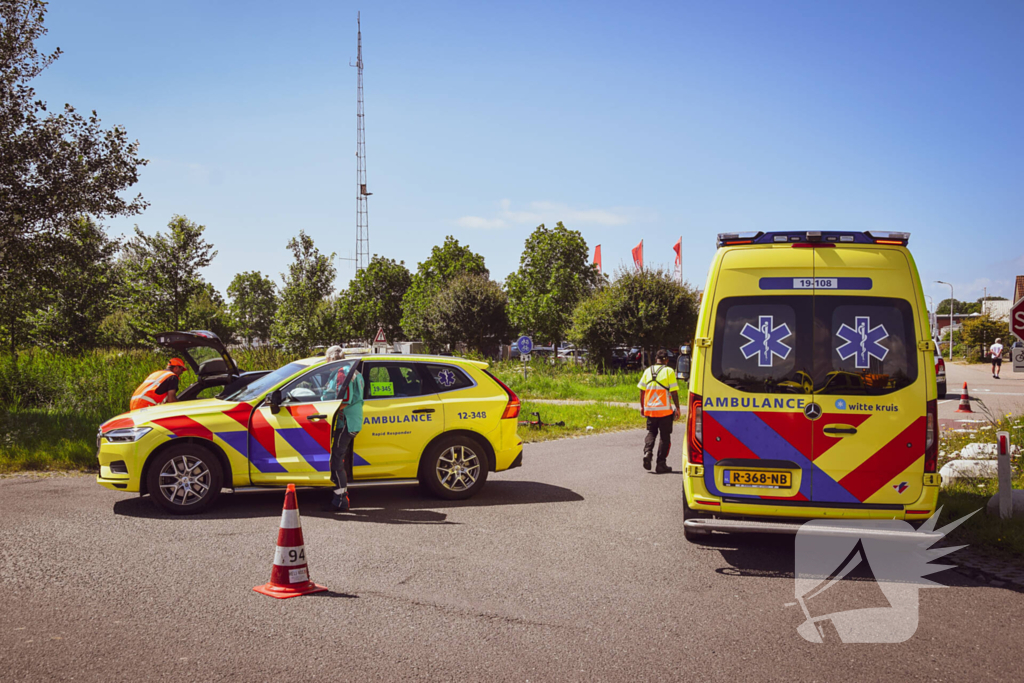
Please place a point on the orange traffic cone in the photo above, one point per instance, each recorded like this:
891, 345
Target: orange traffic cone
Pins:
965, 402
290, 574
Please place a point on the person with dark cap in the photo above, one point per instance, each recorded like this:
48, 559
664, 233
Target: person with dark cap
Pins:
657, 385
160, 387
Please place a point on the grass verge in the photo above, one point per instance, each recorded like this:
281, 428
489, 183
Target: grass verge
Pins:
603, 418
983, 532
565, 381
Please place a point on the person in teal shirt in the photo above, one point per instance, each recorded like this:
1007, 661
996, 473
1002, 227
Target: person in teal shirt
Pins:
345, 429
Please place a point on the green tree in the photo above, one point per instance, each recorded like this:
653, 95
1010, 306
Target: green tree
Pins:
54, 168
967, 307
78, 296
161, 275
253, 305
445, 263
983, 331
207, 311
374, 299
555, 274
649, 309
299, 322
471, 310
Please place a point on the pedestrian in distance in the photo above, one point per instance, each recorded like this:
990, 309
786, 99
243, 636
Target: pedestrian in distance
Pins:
657, 385
995, 352
160, 387
345, 430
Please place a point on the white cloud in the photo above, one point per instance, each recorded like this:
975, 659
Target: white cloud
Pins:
550, 213
480, 223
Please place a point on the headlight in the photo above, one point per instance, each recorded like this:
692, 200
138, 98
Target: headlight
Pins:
130, 435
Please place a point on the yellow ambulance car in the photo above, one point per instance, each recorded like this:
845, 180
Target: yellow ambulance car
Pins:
812, 393
441, 421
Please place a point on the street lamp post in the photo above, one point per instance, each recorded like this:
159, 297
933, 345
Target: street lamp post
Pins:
952, 302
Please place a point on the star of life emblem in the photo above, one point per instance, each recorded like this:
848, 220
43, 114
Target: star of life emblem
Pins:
862, 342
446, 378
766, 341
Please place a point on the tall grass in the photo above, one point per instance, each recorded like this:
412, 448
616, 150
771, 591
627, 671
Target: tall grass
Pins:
568, 381
51, 404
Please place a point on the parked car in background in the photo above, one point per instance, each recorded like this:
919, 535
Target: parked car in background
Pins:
573, 355
940, 374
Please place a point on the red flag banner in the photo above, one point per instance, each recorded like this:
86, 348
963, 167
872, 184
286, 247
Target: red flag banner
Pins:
638, 256
597, 257
678, 248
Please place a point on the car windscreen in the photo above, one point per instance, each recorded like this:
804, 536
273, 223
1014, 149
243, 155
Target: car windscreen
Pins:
852, 345
267, 382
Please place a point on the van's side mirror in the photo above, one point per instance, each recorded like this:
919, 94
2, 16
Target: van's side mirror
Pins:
683, 364
275, 401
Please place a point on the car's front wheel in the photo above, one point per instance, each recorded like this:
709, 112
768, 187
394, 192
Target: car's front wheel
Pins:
454, 468
185, 479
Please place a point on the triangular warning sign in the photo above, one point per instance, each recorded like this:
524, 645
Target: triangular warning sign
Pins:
379, 339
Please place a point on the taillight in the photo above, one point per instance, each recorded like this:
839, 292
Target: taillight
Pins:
695, 428
513, 406
940, 369
931, 438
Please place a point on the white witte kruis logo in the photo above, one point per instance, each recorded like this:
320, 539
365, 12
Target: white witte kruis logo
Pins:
897, 556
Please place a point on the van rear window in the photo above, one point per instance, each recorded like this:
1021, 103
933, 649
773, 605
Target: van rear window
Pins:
851, 345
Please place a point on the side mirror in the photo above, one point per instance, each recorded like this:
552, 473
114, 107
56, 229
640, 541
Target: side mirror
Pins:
683, 364
275, 402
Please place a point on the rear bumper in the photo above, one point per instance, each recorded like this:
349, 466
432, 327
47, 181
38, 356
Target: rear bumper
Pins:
792, 527
704, 502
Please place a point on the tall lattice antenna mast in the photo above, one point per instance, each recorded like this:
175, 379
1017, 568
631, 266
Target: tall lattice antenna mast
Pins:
362, 215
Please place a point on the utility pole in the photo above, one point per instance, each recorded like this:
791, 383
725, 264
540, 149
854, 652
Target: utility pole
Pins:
362, 215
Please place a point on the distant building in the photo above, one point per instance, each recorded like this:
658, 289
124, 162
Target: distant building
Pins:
997, 310
1018, 291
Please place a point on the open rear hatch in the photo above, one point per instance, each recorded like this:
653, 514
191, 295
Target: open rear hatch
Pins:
209, 359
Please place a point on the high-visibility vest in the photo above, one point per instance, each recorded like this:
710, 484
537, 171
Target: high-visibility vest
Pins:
146, 395
656, 395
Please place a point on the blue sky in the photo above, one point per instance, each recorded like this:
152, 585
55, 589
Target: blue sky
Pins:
625, 121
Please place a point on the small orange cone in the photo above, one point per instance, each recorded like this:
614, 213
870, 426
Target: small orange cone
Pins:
965, 402
290, 575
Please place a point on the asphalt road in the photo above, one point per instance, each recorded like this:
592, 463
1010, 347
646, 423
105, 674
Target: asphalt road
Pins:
1001, 396
573, 567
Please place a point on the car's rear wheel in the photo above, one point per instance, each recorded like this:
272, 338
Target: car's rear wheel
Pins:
185, 479
942, 389
454, 468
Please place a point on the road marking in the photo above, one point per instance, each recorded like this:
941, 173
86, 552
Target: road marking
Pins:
1001, 393
948, 400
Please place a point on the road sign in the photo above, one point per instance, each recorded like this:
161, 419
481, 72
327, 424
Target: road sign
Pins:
1017, 356
1017, 319
525, 345
380, 338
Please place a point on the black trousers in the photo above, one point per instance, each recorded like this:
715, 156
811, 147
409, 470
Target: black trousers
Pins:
341, 456
656, 426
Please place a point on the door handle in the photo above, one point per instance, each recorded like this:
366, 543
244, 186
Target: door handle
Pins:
423, 410
316, 417
839, 430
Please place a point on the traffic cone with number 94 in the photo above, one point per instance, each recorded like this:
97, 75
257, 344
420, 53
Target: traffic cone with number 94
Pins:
290, 576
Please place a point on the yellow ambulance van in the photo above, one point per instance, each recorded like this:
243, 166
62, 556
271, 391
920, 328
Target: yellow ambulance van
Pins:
812, 388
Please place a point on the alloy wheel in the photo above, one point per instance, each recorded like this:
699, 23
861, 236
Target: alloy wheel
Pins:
185, 480
458, 468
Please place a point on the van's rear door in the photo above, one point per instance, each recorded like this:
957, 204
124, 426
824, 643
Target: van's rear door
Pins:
868, 379
758, 377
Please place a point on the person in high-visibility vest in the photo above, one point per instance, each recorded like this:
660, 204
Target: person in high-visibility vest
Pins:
657, 387
160, 387
346, 429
